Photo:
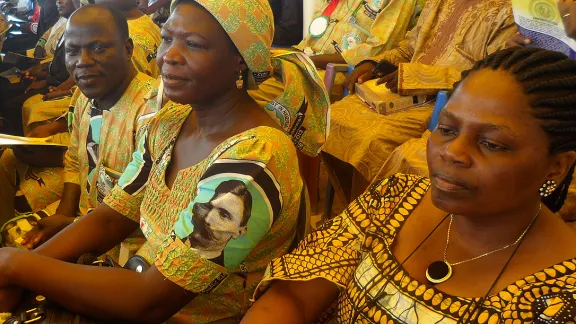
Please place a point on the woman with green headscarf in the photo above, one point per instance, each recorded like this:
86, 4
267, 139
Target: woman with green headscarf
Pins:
215, 185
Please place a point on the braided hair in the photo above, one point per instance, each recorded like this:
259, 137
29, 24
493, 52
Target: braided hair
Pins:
549, 79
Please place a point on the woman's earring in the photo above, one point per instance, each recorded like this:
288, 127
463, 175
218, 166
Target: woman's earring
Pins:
240, 82
548, 188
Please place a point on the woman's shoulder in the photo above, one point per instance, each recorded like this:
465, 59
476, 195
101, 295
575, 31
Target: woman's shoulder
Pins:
547, 296
399, 185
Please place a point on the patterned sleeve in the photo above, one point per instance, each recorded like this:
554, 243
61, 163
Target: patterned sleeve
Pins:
548, 296
126, 197
71, 163
334, 251
251, 187
391, 24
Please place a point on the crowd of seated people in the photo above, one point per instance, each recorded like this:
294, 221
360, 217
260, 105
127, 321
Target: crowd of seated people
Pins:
182, 144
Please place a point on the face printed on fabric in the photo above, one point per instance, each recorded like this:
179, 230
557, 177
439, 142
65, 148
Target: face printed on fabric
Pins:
96, 56
196, 57
223, 218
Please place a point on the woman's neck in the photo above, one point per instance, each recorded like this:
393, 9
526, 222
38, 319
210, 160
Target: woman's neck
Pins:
224, 113
481, 234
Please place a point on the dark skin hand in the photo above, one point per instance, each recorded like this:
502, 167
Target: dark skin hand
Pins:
220, 111
361, 74
568, 11
50, 226
390, 81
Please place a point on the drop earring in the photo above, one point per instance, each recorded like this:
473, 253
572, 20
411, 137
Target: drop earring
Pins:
548, 188
240, 82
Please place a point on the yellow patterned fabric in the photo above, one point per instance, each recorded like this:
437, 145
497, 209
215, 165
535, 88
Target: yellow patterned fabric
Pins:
261, 160
450, 36
146, 37
52, 36
28, 189
378, 26
94, 167
410, 158
354, 252
302, 110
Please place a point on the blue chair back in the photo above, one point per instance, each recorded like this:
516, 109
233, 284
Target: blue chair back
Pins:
441, 100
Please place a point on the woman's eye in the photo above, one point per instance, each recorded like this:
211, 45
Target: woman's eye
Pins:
194, 45
446, 131
166, 38
492, 146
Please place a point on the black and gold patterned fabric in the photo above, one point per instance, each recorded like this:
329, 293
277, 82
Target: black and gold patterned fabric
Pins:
354, 251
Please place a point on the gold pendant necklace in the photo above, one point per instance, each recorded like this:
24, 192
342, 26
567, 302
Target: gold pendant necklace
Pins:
440, 271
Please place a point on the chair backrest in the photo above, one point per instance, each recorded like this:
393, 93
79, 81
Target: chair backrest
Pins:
330, 76
441, 100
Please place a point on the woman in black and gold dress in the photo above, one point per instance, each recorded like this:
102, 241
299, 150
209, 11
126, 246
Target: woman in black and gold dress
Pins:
478, 242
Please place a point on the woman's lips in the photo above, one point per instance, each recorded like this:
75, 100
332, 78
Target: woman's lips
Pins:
447, 184
172, 80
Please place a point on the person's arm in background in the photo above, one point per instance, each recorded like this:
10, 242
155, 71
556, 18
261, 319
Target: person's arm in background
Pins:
568, 12
148, 10
422, 79
68, 207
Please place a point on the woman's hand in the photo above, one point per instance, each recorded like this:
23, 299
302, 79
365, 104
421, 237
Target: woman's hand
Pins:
45, 229
361, 74
568, 11
518, 40
391, 81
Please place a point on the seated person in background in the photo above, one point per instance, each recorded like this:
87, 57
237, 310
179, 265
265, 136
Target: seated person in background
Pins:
215, 189
106, 119
359, 28
47, 19
288, 21
449, 37
50, 29
146, 38
478, 242
55, 79
410, 157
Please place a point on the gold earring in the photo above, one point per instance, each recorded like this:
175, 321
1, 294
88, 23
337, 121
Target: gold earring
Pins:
240, 82
548, 188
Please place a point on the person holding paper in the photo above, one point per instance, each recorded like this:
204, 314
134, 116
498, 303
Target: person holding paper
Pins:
450, 37
107, 117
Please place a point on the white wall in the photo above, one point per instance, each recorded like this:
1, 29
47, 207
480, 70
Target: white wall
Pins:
309, 6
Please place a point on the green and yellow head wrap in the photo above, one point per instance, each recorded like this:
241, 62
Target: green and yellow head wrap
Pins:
303, 109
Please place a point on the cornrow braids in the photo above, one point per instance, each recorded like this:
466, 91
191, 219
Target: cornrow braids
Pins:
549, 79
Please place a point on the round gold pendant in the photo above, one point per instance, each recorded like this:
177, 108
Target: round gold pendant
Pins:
438, 272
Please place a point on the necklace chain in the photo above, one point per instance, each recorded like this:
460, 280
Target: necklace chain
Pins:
487, 253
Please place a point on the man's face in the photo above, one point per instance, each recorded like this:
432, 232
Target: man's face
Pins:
218, 221
96, 56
